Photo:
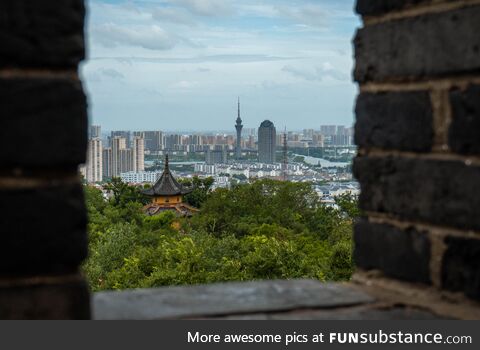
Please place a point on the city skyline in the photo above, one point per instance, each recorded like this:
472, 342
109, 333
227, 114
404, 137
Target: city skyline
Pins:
152, 63
122, 153
228, 131
97, 131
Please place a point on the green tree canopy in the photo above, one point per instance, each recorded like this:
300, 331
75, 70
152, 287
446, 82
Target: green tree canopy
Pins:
124, 193
263, 230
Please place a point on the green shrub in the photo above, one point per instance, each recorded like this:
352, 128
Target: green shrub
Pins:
264, 230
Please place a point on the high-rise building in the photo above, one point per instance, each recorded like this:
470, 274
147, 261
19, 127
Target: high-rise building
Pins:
216, 156
95, 131
251, 142
308, 133
154, 140
138, 153
238, 127
107, 162
94, 166
350, 133
194, 140
267, 135
250, 132
119, 144
279, 139
328, 130
126, 160
123, 134
318, 140
173, 141
336, 135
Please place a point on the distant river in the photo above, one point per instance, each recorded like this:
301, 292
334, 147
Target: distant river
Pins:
150, 163
323, 162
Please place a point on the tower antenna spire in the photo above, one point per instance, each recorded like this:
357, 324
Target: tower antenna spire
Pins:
238, 127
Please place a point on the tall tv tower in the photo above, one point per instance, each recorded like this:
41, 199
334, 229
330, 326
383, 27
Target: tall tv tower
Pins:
239, 127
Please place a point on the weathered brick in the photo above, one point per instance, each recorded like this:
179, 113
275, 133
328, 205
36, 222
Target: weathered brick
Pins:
44, 122
461, 266
43, 230
41, 33
395, 120
379, 7
67, 300
398, 253
430, 45
464, 133
434, 191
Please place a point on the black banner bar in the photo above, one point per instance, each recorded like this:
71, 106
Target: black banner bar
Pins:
215, 334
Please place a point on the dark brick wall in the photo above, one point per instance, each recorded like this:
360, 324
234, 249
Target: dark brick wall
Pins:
464, 133
421, 190
418, 132
42, 141
26, 248
41, 34
56, 103
48, 300
403, 254
395, 120
378, 7
461, 266
437, 44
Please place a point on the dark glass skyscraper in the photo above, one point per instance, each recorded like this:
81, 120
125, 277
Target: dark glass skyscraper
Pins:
267, 142
239, 127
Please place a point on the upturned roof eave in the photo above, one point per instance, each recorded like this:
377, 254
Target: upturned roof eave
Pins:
167, 185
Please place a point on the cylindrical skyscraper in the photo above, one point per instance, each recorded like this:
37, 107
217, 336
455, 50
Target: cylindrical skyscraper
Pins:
239, 127
267, 142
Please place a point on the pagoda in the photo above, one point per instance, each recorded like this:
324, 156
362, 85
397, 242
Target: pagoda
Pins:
167, 195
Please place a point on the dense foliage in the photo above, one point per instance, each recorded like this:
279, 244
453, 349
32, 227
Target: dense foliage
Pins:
264, 230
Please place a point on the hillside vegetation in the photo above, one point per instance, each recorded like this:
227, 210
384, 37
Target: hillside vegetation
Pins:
263, 230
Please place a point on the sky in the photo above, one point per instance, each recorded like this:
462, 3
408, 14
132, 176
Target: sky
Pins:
182, 64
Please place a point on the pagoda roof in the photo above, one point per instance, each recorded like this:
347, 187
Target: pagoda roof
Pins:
180, 209
167, 185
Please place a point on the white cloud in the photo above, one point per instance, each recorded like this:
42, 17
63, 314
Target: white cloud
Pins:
198, 59
173, 51
311, 15
173, 15
258, 10
326, 70
185, 85
210, 8
302, 73
112, 73
150, 37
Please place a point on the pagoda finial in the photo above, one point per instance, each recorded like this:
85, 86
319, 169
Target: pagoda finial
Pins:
166, 162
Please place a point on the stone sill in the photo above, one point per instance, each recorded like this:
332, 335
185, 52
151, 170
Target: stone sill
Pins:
274, 299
